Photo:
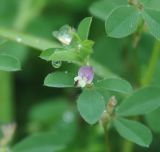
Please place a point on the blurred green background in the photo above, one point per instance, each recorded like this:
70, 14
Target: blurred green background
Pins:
35, 108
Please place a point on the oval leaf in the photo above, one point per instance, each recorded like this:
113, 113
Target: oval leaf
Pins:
153, 22
59, 80
9, 63
114, 84
133, 131
91, 105
84, 27
141, 102
41, 142
122, 22
101, 9
153, 120
155, 4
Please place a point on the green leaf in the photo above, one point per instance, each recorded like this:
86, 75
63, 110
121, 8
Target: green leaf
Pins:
56, 114
91, 104
154, 4
34, 42
52, 110
84, 27
9, 63
114, 84
2, 41
40, 142
122, 22
141, 102
153, 22
133, 131
60, 54
69, 56
45, 55
101, 9
59, 80
153, 120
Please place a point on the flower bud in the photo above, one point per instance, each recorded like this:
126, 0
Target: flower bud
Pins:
85, 76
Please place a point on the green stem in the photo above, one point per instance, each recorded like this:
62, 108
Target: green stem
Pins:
6, 97
43, 44
152, 65
107, 143
128, 146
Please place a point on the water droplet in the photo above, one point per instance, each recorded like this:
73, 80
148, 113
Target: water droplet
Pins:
66, 72
18, 39
64, 35
56, 64
68, 116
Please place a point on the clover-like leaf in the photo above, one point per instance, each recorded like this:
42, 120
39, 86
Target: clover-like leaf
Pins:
152, 19
152, 120
84, 27
123, 21
40, 142
59, 80
101, 9
91, 104
133, 131
115, 84
141, 102
9, 63
154, 4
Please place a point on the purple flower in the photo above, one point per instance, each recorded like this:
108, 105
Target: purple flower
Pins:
85, 76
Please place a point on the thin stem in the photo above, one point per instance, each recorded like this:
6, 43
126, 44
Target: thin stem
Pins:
107, 143
43, 44
127, 146
6, 97
152, 65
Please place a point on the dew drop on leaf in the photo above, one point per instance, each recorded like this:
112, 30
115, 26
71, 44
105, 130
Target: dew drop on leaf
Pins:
56, 64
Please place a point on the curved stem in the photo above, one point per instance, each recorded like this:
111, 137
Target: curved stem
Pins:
152, 65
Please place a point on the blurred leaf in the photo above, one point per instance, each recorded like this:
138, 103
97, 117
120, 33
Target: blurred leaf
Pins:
35, 42
153, 120
154, 4
52, 110
133, 131
103, 8
101, 70
27, 11
43, 44
2, 41
141, 102
59, 80
104, 55
115, 84
84, 28
15, 49
57, 115
48, 142
153, 22
91, 104
119, 25
9, 63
